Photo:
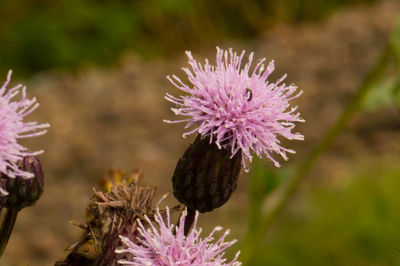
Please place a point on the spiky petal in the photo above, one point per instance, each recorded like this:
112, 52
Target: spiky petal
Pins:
12, 128
236, 106
159, 245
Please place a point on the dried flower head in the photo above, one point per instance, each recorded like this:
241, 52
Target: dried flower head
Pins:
236, 107
110, 213
165, 244
13, 128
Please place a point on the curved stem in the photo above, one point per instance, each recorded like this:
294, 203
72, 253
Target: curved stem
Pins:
273, 205
6, 228
189, 220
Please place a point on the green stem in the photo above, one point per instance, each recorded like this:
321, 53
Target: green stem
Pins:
273, 205
7, 228
396, 91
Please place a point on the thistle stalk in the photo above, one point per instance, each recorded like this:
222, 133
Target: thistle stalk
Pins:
7, 228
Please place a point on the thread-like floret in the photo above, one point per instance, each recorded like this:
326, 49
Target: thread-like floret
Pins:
164, 244
236, 106
12, 128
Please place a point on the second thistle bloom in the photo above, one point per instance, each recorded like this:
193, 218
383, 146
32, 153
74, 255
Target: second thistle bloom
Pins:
236, 107
165, 244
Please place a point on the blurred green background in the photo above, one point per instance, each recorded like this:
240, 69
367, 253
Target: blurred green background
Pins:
99, 66
353, 221
44, 34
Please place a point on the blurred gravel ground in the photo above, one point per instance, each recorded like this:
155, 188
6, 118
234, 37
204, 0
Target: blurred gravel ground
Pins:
103, 118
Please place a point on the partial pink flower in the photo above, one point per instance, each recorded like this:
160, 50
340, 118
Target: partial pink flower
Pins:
236, 106
13, 128
160, 245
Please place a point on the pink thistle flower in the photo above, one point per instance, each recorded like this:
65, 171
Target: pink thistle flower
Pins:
13, 128
162, 247
237, 108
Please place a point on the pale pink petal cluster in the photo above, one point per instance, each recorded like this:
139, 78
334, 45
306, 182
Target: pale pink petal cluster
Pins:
165, 244
12, 128
236, 106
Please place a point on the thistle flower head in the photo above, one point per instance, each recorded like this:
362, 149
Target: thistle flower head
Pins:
12, 128
236, 107
159, 245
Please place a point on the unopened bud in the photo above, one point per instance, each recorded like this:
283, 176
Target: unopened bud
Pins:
205, 176
24, 192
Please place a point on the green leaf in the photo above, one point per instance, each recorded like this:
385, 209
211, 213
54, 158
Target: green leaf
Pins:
395, 41
264, 178
396, 93
381, 95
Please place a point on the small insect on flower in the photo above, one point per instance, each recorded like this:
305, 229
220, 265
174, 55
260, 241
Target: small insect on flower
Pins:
12, 128
249, 94
165, 244
237, 108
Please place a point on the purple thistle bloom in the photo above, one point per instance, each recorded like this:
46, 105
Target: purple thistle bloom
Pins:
162, 247
13, 128
237, 107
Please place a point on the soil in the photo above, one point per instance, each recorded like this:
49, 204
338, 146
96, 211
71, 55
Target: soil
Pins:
112, 118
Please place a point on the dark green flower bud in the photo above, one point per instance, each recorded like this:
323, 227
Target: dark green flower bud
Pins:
205, 176
24, 191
